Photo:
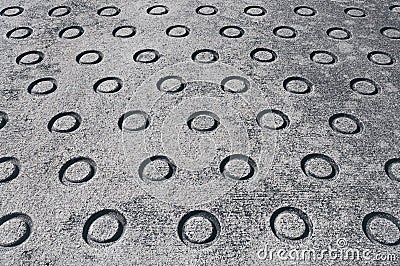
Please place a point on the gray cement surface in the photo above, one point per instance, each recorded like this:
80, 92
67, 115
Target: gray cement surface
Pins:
199, 132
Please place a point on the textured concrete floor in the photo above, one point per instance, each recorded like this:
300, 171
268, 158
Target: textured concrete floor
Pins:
200, 132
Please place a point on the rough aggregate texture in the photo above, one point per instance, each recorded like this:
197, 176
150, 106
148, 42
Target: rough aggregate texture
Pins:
167, 133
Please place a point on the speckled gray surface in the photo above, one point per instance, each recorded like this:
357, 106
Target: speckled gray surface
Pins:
199, 133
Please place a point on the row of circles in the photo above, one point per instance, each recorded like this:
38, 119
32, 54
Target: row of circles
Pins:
206, 10
137, 120
198, 228
314, 165
179, 31
231, 84
205, 56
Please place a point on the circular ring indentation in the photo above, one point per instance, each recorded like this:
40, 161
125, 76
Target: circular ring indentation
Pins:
157, 10
20, 224
272, 119
323, 57
71, 32
135, 120
124, 31
109, 11
11, 11
305, 11
62, 123
368, 220
338, 33
319, 166
19, 33
235, 84
30, 58
191, 122
114, 234
392, 169
345, 124
231, 31
146, 56
178, 31
43, 86
157, 159
284, 217
89, 57
391, 32
205, 56
207, 10
239, 158
297, 85
381, 58
263, 55
108, 85
3, 119
10, 168
199, 229
59, 11
285, 32
355, 12
255, 11
171, 84
68, 178
364, 86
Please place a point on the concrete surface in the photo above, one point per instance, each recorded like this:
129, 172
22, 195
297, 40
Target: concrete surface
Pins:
200, 132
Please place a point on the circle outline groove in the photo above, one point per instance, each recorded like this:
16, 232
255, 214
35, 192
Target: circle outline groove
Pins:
215, 224
298, 8
16, 170
193, 116
99, 54
28, 223
122, 119
150, 9
275, 31
250, 162
171, 167
76, 116
119, 217
215, 56
81, 31
19, 12
238, 35
72, 161
102, 80
334, 166
383, 215
371, 55
28, 33
67, 11
285, 119
153, 60
34, 62
253, 56
359, 124
214, 10
263, 11
117, 11
330, 30
292, 210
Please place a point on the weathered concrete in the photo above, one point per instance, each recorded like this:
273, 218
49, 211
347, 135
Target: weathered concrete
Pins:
167, 133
